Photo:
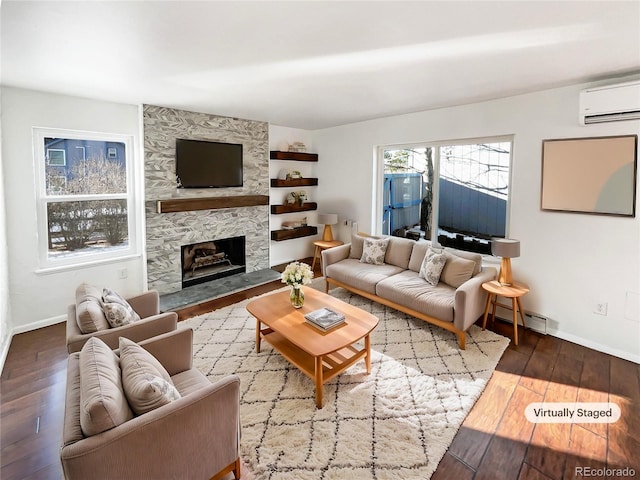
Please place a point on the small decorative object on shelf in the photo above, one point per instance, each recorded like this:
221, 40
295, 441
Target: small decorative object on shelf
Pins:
297, 274
297, 147
296, 198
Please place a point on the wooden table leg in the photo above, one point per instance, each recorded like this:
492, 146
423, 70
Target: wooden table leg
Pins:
524, 325
315, 255
486, 311
493, 310
514, 305
319, 381
258, 337
367, 348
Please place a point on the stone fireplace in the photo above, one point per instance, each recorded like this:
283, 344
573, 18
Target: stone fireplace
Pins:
168, 232
205, 261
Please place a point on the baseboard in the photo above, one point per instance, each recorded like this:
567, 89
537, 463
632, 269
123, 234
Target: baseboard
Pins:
5, 351
595, 345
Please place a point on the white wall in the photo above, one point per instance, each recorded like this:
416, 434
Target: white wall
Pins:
298, 248
41, 299
570, 261
5, 311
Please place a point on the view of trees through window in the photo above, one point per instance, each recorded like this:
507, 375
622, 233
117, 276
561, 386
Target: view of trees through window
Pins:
472, 193
85, 197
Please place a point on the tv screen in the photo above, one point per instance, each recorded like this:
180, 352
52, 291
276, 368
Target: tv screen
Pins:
204, 164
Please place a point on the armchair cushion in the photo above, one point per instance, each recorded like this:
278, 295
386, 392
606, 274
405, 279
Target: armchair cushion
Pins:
117, 310
147, 385
103, 404
89, 314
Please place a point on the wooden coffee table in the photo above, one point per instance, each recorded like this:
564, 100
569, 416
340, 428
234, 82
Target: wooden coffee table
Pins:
319, 355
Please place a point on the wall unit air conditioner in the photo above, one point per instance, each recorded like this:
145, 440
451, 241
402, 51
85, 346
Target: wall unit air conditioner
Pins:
611, 103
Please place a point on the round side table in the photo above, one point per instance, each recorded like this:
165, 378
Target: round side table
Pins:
514, 291
320, 246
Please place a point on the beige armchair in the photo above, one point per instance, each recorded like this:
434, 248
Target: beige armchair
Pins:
196, 436
151, 323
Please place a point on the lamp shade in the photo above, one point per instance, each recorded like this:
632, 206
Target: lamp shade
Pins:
505, 247
327, 218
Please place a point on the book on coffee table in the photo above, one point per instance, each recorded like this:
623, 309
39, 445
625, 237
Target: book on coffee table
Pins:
324, 318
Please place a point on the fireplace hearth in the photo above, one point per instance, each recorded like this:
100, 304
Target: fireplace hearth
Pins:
206, 261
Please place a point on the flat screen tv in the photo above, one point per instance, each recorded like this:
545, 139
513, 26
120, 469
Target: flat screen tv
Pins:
204, 164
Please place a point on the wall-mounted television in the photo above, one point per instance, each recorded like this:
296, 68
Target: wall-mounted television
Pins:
205, 164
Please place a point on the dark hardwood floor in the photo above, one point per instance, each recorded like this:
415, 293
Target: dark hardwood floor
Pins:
494, 442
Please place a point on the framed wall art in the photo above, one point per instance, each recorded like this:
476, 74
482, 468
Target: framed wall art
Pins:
594, 175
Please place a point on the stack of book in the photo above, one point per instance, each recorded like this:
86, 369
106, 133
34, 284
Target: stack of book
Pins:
324, 319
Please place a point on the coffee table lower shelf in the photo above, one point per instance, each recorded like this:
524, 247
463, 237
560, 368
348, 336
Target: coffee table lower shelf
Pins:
320, 368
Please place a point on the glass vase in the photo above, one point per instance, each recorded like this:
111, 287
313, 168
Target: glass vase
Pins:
296, 296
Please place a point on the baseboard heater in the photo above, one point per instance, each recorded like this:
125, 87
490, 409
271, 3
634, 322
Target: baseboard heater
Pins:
534, 321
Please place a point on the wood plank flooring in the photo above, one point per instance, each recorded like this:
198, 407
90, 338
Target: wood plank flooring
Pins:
494, 442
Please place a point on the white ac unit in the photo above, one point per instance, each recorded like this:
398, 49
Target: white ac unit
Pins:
611, 103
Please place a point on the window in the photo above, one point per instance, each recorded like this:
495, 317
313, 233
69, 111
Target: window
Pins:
84, 204
455, 193
56, 157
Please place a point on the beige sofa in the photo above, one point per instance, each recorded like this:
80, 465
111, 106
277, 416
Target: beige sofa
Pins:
87, 311
194, 436
455, 303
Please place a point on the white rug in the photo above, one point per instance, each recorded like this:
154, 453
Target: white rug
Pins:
395, 423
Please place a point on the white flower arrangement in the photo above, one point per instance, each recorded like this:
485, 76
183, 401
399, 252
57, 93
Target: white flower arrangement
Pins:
297, 274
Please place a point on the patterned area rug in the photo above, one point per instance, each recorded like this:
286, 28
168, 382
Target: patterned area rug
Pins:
395, 423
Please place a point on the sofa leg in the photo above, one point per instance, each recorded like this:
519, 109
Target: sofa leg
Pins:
462, 339
236, 471
232, 467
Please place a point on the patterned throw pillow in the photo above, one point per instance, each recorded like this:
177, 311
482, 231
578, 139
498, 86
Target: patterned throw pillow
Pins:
146, 383
373, 250
432, 266
117, 310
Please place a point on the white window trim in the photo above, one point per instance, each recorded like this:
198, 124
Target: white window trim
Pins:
376, 220
64, 157
47, 264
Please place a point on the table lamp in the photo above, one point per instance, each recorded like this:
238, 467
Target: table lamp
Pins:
507, 248
327, 219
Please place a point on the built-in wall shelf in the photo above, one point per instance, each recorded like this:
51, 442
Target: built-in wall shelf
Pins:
279, 235
297, 156
292, 208
210, 203
294, 182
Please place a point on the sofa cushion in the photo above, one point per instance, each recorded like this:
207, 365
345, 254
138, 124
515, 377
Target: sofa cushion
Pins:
117, 310
432, 266
357, 241
89, 314
399, 251
374, 250
457, 270
417, 254
476, 257
362, 276
103, 404
408, 289
146, 382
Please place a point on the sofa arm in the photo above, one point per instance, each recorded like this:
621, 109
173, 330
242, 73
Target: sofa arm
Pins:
174, 350
146, 304
470, 299
334, 255
192, 437
137, 331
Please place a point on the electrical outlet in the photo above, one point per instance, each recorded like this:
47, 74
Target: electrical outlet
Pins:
122, 273
600, 308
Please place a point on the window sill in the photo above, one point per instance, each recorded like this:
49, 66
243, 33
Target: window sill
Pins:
87, 264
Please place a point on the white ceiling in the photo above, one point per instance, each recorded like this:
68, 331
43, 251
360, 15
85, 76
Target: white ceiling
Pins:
314, 64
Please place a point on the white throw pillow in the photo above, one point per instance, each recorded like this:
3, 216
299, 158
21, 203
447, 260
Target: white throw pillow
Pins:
146, 382
373, 250
432, 266
117, 310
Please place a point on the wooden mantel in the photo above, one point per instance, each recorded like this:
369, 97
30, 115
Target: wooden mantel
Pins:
210, 203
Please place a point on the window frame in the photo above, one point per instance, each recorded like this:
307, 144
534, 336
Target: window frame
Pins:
47, 263
64, 157
377, 217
